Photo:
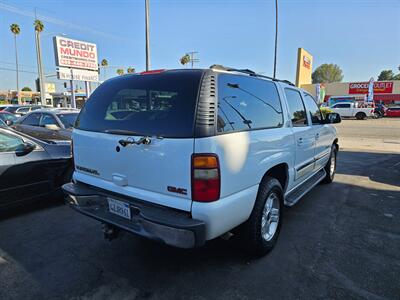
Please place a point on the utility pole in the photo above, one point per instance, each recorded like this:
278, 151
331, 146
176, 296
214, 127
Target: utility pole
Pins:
192, 58
147, 35
276, 35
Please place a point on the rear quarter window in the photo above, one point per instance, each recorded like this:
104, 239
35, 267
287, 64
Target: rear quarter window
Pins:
154, 104
246, 103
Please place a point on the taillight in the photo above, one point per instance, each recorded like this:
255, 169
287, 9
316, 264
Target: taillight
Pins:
206, 181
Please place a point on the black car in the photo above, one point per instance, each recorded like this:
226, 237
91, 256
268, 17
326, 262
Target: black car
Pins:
49, 125
31, 169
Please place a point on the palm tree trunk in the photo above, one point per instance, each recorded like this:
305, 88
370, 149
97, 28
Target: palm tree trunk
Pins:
16, 68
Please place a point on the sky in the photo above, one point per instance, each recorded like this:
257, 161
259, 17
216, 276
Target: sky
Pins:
362, 37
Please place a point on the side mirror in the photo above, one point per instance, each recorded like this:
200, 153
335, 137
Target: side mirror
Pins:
9, 122
25, 149
51, 127
332, 118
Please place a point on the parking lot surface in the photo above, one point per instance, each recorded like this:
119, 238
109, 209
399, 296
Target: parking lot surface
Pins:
340, 241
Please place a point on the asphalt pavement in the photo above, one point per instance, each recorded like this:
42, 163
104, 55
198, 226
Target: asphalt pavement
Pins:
341, 241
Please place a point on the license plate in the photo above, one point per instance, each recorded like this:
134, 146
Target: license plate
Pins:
119, 208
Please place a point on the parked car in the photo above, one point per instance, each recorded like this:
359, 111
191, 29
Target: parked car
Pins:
21, 110
393, 111
350, 110
29, 168
50, 125
185, 156
8, 118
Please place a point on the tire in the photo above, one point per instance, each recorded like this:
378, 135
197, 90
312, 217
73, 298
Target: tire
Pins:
268, 210
330, 167
360, 116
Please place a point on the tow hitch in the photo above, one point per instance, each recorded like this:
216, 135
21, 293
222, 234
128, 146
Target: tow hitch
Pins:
110, 232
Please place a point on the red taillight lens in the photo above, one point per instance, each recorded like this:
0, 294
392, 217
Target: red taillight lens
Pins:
206, 179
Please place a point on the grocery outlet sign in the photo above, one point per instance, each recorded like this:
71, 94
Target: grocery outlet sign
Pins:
380, 87
75, 54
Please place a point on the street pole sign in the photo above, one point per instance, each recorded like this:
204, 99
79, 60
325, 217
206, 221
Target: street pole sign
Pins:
76, 60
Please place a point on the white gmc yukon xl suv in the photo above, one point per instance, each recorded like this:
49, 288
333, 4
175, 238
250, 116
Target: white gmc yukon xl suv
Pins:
185, 156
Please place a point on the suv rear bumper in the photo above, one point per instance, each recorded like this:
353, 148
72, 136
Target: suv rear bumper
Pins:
173, 227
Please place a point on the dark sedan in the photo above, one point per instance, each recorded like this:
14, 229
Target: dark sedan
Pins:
49, 125
31, 169
8, 118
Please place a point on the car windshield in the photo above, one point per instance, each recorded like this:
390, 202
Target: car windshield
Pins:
11, 109
68, 119
153, 104
6, 116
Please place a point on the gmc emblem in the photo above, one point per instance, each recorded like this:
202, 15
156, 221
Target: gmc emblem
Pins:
173, 189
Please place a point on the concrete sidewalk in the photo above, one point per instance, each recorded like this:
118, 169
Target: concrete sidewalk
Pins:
370, 144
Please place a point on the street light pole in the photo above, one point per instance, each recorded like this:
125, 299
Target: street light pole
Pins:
276, 35
147, 35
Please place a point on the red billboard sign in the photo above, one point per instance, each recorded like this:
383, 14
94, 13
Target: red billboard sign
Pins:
380, 87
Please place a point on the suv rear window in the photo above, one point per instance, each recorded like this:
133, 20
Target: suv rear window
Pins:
153, 104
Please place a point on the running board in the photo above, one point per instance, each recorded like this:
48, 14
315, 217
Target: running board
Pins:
294, 196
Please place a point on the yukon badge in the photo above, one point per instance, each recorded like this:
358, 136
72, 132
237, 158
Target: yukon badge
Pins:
87, 170
173, 189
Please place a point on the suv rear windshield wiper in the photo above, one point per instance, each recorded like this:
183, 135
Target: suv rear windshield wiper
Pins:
122, 132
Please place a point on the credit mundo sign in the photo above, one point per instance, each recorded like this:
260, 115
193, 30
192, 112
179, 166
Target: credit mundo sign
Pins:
380, 87
75, 54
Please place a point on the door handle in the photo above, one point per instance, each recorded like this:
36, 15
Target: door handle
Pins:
300, 141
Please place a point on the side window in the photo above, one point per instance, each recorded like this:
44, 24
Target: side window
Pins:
313, 110
246, 103
9, 142
47, 120
22, 110
296, 108
32, 120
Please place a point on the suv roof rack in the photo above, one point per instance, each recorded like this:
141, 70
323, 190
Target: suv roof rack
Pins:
248, 72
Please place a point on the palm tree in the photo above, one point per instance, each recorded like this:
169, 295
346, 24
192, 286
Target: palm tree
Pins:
185, 59
104, 65
130, 70
38, 29
16, 30
120, 71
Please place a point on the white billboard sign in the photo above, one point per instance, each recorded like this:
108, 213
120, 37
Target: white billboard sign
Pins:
77, 74
75, 54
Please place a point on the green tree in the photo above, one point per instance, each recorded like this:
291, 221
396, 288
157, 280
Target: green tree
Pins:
104, 62
185, 59
396, 77
104, 65
386, 75
26, 89
120, 71
16, 30
327, 73
130, 70
38, 25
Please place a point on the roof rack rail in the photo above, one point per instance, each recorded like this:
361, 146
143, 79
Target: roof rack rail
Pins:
248, 72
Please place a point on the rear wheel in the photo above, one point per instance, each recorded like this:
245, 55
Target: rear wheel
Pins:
260, 232
330, 167
360, 116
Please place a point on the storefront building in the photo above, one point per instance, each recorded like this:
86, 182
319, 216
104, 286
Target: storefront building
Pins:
386, 92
